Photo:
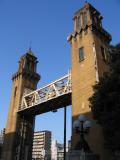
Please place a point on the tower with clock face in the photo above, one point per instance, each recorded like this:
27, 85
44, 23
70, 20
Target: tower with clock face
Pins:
19, 129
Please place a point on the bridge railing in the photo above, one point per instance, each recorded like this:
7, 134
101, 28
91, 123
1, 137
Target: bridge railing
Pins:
53, 90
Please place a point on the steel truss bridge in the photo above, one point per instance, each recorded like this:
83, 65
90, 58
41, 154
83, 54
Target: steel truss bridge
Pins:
53, 96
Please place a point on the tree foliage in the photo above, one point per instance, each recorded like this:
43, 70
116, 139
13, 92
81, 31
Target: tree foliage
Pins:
105, 102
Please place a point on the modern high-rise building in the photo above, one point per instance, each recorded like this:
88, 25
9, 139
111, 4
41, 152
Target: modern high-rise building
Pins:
57, 150
41, 145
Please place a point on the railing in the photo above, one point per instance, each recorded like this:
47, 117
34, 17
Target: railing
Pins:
53, 90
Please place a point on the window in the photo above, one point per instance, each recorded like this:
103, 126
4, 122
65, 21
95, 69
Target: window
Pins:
85, 19
28, 65
103, 53
81, 54
79, 22
15, 91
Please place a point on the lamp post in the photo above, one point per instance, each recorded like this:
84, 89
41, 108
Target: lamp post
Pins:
64, 133
82, 126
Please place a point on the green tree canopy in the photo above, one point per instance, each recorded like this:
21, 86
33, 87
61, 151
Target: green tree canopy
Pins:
105, 102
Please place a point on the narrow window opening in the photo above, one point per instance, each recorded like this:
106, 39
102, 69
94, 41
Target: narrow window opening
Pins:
96, 20
28, 65
85, 19
15, 91
103, 53
81, 54
79, 22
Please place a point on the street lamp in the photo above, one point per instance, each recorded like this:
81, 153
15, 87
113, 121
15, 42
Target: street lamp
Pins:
82, 126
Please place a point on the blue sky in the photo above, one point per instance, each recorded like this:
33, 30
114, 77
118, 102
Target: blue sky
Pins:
46, 24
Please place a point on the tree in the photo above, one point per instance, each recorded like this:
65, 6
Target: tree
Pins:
105, 102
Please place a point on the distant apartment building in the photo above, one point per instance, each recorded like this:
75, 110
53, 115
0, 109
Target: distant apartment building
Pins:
41, 145
69, 145
57, 151
2, 133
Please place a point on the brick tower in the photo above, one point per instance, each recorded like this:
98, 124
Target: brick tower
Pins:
90, 50
19, 129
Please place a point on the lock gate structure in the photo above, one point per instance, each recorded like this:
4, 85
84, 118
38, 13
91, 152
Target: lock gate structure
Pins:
89, 55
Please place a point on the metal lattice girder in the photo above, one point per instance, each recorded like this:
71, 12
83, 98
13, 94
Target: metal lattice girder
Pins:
53, 90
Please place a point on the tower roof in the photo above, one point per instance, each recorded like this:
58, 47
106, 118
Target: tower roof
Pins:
86, 6
30, 52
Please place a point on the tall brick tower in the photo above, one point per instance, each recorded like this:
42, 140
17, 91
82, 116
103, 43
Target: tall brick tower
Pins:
90, 50
19, 129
